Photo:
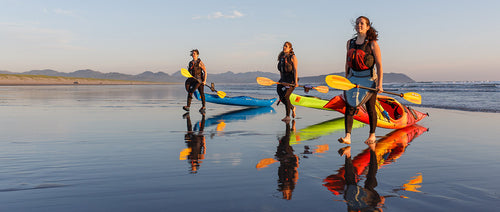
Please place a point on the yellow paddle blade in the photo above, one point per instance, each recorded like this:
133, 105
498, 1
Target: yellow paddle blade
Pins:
265, 81
221, 94
413, 97
265, 162
322, 89
186, 73
339, 82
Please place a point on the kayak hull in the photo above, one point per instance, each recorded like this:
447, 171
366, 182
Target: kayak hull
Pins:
398, 115
237, 100
308, 101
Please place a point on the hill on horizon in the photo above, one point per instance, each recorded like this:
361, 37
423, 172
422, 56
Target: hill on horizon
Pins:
247, 77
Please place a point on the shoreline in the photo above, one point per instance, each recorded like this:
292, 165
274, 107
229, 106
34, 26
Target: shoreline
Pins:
19, 80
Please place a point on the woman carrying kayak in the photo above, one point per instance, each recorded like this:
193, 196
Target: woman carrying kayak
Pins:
199, 72
287, 65
363, 55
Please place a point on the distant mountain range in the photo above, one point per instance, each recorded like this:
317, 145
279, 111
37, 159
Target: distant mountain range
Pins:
228, 77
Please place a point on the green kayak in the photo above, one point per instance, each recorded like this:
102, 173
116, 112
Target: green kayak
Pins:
308, 101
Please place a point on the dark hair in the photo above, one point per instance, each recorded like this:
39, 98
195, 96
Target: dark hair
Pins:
291, 50
195, 50
372, 33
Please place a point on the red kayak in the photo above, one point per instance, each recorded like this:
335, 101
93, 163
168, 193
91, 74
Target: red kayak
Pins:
391, 114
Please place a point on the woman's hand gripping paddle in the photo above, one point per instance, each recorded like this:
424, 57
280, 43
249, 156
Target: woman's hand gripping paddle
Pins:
186, 74
267, 82
341, 83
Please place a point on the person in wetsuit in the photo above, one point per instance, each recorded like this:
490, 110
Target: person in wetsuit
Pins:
199, 73
363, 55
287, 66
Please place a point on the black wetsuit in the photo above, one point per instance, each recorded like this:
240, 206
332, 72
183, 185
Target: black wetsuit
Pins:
194, 82
287, 74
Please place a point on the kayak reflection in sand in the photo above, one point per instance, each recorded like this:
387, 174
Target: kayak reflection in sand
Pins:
289, 162
195, 141
361, 198
320, 129
384, 152
236, 115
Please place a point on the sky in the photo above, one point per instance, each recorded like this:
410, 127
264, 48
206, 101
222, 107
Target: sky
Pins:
428, 40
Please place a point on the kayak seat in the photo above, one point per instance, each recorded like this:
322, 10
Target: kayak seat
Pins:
394, 109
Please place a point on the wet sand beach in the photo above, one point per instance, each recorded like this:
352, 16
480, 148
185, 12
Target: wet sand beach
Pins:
133, 148
18, 79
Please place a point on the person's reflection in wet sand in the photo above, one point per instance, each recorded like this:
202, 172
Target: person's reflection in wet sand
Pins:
289, 162
361, 198
195, 142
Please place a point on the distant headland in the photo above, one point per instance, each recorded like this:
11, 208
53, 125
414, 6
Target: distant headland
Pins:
90, 77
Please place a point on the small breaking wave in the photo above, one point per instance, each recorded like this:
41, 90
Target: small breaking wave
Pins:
40, 186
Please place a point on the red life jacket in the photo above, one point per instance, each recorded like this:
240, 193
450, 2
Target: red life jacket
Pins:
360, 57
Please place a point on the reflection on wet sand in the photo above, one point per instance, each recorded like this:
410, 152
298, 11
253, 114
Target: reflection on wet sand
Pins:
385, 151
289, 162
359, 198
236, 115
321, 129
195, 138
195, 141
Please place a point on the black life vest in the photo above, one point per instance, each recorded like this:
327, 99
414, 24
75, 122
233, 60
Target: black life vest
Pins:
360, 57
286, 68
195, 69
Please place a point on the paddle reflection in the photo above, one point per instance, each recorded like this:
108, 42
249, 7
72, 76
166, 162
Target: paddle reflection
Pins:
195, 141
384, 152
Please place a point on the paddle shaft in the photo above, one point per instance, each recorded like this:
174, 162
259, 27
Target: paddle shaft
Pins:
285, 84
374, 89
211, 88
199, 81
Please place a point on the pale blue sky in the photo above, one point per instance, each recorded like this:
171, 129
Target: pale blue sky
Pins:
427, 40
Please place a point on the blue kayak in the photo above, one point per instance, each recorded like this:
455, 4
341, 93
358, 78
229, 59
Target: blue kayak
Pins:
237, 100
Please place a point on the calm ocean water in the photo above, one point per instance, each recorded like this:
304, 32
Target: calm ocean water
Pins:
467, 96
132, 148
479, 96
